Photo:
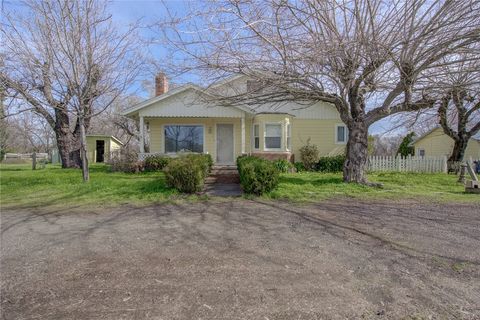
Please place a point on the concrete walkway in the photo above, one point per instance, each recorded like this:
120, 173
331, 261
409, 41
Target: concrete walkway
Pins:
224, 189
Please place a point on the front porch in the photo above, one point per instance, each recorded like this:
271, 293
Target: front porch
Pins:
223, 138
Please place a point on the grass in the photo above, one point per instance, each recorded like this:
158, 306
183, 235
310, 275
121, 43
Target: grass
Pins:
23, 187
311, 187
53, 186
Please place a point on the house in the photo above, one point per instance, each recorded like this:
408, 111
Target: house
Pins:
186, 118
100, 146
436, 143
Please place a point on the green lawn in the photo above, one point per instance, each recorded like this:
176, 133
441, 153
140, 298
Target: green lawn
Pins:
22, 187
309, 187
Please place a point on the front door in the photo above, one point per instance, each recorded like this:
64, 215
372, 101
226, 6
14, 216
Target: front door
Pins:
225, 143
100, 151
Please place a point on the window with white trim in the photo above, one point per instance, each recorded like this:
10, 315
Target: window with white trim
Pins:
256, 136
183, 138
289, 136
341, 134
273, 136
421, 152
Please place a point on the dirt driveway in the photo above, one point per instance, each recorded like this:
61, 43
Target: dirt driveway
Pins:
243, 260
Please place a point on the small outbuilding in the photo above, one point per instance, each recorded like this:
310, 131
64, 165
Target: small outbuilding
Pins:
99, 147
436, 143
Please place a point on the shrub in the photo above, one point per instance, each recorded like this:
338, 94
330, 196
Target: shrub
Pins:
309, 155
331, 164
125, 160
203, 160
156, 162
187, 173
299, 167
283, 166
257, 176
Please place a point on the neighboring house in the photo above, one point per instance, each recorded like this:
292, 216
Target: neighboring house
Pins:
100, 146
185, 119
436, 143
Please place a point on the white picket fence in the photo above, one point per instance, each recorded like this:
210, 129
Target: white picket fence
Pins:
408, 164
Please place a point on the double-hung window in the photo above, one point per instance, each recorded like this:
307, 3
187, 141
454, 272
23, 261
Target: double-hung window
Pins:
341, 134
273, 136
183, 138
289, 137
256, 136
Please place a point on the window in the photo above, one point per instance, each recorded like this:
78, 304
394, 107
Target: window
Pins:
421, 152
256, 136
289, 137
273, 136
341, 134
183, 138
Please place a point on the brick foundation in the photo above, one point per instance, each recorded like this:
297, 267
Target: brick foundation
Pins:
275, 155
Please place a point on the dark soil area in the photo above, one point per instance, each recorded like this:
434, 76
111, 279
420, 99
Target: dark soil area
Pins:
242, 259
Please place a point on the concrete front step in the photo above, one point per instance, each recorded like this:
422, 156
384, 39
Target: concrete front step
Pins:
220, 166
222, 179
223, 175
217, 172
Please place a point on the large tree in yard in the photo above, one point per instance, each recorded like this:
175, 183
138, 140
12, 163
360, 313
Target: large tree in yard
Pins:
465, 109
459, 105
366, 57
67, 62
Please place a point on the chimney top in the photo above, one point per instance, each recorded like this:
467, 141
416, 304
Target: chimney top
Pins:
161, 84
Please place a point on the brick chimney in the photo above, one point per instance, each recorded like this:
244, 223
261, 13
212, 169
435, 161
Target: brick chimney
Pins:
161, 84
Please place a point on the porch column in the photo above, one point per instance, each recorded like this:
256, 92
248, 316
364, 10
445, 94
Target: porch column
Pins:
142, 136
243, 133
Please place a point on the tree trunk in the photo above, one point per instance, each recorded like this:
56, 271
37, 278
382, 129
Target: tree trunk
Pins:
67, 148
458, 150
83, 150
357, 153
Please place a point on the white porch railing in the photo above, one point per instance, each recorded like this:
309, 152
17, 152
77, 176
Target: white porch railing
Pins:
143, 155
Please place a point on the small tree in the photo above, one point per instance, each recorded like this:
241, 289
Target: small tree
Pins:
405, 149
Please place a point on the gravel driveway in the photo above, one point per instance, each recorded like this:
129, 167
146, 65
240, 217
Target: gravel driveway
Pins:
243, 259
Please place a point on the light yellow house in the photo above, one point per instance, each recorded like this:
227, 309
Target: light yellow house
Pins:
183, 119
99, 147
437, 143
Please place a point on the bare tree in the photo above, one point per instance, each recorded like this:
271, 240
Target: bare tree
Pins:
456, 88
364, 56
66, 61
459, 107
